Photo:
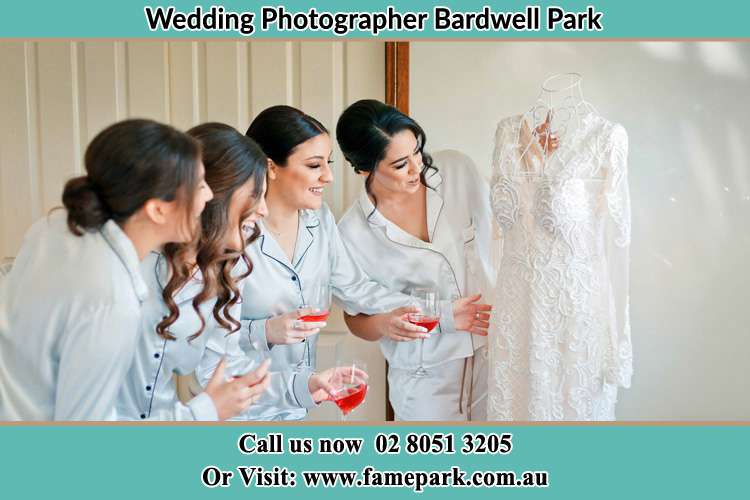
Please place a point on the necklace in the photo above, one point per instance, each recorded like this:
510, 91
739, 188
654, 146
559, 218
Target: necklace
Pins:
277, 232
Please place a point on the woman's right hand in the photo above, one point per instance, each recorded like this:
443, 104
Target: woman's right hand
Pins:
547, 140
321, 385
290, 329
395, 325
232, 397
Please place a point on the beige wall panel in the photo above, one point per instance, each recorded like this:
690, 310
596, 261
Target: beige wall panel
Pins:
365, 67
100, 75
121, 82
185, 71
59, 120
19, 189
148, 80
274, 75
226, 83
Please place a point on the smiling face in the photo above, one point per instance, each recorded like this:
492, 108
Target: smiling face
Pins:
307, 171
244, 212
398, 171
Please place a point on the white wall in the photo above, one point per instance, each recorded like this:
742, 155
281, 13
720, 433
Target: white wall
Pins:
56, 95
686, 107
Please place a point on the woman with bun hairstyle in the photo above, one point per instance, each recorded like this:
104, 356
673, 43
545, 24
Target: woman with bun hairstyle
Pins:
70, 310
194, 292
421, 221
299, 249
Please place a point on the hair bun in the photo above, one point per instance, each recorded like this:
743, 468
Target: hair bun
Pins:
84, 205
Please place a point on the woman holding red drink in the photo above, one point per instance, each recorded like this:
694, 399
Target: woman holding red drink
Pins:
422, 225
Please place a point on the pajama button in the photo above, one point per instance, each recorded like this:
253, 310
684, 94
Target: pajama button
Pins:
156, 355
294, 278
143, 416
148, 387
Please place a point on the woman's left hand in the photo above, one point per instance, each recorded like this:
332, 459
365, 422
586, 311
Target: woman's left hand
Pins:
471, 316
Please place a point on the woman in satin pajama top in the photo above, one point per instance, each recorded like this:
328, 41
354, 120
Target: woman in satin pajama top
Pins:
421, 221
174, 343
70, 309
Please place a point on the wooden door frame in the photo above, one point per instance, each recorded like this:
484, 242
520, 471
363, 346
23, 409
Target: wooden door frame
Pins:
397, 75
397, 95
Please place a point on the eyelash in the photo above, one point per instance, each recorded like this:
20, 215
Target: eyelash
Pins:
399, 167
330, 162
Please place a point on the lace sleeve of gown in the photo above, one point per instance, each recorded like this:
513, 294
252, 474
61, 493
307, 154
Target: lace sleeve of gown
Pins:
503, 194
504, 199
619, 367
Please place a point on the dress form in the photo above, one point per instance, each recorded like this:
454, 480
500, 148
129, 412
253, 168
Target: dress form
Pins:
560, 342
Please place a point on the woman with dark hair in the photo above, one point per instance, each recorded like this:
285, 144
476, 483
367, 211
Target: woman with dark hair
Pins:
195, 291
70, 310
421, 222
299, 249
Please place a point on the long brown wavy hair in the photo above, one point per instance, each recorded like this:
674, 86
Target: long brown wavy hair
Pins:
231, 159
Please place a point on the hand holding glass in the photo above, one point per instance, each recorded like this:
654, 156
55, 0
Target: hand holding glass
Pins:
319, 299
349, 385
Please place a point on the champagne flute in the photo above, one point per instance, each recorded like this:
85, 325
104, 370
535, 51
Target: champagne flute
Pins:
428, 301
318, 297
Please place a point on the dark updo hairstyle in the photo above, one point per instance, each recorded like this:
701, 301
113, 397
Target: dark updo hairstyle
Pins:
278, 130
364, 131
230, 159
127, 164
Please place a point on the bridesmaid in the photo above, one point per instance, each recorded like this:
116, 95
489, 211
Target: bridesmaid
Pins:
70, 310
299, 249
194, 291
421, 222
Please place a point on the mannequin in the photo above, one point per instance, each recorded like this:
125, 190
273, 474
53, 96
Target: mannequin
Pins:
556, 114
560, 341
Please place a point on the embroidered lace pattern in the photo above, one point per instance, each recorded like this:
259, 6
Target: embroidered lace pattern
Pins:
560, 341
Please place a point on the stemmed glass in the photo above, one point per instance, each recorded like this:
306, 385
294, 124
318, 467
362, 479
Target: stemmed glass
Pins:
318, 297
427, 299
349, 384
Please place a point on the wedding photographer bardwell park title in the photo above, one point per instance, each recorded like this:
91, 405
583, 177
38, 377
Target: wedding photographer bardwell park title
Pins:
217, 19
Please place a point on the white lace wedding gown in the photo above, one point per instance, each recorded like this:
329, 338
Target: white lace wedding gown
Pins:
560, 342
